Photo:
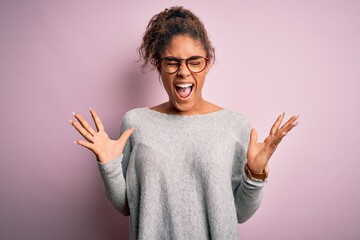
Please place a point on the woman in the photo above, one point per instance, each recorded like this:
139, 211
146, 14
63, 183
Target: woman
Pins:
187, 168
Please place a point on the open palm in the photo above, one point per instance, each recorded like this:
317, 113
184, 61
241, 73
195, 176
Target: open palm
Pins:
98, 141
258, 154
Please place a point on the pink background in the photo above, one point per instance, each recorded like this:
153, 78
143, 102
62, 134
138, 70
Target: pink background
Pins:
302, 57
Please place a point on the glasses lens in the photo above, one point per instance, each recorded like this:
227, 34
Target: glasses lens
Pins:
170, 65
197, 64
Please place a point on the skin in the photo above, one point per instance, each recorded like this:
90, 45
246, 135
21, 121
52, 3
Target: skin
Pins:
98, 141
182, 46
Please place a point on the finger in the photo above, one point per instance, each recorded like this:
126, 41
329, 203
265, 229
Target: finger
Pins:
97, 120
277, 139
290, 124
274, 141
84, 144
276, 125
125, 136
253, 136
283, 131
84, 123
81, 130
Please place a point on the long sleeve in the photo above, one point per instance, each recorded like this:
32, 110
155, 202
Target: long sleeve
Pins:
113, 175
248, 193
248, 197
115, 184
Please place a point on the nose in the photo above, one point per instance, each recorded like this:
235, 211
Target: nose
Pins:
183, 70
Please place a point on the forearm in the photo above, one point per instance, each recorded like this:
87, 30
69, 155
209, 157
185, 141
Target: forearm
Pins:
248, 197
114, 184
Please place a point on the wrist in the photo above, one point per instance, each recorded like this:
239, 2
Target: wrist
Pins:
104, 158
255, 168
256, 174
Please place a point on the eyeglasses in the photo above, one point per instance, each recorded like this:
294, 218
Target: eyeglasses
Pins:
195, 64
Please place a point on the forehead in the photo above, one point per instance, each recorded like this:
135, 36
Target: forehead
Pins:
183, 46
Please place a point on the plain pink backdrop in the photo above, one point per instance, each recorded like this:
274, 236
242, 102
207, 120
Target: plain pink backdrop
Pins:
302, 57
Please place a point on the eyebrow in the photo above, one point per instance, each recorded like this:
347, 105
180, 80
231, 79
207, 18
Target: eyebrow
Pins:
172, 58
179, 59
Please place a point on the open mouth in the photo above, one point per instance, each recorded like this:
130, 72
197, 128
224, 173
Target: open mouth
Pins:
184, 89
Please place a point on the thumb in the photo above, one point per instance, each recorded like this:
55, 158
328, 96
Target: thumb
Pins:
125, 136
253, 136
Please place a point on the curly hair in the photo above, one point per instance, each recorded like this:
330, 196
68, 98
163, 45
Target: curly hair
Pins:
167, 24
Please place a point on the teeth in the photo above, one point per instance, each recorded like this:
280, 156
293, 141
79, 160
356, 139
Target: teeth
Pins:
184, 85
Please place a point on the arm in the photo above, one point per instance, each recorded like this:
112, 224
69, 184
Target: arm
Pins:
115, 184
113, 174
110, 155
248, 194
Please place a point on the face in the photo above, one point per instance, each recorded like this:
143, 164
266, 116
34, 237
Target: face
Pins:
184, 100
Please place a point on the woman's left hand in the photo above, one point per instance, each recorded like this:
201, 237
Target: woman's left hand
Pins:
258, 154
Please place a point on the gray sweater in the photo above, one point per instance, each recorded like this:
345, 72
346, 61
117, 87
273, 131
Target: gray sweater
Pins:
182, 177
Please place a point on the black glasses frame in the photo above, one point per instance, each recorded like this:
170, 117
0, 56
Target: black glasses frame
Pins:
179, 60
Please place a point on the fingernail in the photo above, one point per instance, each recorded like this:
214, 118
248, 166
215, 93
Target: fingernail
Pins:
75, 142
90, 108
73, 113
70, 120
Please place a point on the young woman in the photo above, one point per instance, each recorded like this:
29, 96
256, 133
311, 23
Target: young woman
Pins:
186, 168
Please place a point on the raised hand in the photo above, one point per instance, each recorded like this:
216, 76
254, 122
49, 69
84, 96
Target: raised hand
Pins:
98, 141
258, 154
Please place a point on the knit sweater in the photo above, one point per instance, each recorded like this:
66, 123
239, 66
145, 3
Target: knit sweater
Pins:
182, 177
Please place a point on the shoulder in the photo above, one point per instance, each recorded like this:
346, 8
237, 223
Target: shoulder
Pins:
238, 123
134, 115
229, 116
134, 112
236, 118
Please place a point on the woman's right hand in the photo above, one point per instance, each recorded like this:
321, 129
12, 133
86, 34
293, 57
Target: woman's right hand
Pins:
99, 142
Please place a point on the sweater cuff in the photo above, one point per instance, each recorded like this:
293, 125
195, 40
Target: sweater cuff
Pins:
111, 166
253, 183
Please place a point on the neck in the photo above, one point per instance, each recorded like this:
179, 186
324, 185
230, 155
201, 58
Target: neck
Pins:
202, 107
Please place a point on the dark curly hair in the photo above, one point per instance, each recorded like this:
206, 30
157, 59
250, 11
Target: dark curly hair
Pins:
167, 24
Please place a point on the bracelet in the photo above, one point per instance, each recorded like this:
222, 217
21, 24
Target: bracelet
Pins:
251, 175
